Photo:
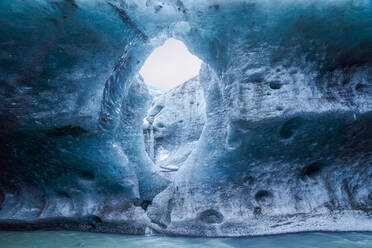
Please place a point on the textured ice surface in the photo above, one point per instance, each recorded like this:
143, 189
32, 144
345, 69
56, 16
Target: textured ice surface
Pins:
173, 125
286, 143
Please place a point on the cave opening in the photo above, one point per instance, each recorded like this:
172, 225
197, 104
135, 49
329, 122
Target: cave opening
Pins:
176, 116
170, 65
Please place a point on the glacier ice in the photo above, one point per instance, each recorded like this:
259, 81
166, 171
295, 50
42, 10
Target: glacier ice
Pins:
173, 125
280, 141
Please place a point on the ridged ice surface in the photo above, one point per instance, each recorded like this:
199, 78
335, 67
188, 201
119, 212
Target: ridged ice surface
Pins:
173, 125
286, 142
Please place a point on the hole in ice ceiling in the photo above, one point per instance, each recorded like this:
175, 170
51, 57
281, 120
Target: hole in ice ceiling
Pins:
170, 65
175, 118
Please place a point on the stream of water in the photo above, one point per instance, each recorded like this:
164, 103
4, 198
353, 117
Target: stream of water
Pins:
64, 239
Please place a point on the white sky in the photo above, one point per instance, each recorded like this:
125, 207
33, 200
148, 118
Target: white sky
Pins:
170, 65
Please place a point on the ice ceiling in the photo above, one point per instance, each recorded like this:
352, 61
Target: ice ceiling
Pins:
273, 136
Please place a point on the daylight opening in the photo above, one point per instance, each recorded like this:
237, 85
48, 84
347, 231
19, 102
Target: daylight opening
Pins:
170, 65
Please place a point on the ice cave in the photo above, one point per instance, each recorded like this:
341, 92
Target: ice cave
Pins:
268, 130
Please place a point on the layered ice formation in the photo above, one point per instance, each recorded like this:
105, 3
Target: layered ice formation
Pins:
173, 126
274, 136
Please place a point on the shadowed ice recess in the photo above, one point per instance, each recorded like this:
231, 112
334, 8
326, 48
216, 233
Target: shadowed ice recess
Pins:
273, 136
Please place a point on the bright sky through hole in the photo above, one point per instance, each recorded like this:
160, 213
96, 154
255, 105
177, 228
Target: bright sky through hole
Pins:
170, 65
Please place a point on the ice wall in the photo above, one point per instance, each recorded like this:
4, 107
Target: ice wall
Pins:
287, 135
173, 125
286, 144
66, 67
